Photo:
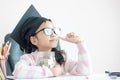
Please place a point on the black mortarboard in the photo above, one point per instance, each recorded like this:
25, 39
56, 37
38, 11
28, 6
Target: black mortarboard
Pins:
31, 12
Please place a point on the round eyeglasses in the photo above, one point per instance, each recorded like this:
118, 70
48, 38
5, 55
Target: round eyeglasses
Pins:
50, 31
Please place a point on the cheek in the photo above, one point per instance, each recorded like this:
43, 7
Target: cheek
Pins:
43, 40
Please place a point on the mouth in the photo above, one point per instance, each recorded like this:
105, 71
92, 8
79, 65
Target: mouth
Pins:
54, 40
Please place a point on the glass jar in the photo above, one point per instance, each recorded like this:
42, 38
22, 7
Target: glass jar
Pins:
46, 59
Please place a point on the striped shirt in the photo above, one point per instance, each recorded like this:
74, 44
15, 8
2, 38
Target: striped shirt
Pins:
26, 67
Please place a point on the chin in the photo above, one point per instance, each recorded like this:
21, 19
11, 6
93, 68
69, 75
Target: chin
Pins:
53, 45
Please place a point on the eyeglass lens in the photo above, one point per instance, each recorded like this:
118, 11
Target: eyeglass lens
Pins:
50, 31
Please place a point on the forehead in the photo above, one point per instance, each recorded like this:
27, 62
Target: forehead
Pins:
46, 24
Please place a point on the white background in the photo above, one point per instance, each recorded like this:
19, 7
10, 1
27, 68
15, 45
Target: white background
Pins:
97, 21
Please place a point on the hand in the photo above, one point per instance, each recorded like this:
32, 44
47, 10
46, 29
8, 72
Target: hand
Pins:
71, 37
57, 70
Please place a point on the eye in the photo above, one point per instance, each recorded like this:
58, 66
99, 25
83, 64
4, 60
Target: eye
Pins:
48, 31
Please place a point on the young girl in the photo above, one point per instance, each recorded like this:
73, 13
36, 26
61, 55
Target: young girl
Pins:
38, 34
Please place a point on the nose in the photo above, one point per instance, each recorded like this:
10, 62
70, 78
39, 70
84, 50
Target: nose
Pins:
53, 34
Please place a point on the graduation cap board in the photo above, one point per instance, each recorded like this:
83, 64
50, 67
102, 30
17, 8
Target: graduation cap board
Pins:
31, 12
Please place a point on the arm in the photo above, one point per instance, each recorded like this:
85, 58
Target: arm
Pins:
26, 68
82, 66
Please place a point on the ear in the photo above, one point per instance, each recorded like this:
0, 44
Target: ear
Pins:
33, 40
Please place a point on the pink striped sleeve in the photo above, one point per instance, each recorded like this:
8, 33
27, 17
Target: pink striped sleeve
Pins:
27, 69
82, 66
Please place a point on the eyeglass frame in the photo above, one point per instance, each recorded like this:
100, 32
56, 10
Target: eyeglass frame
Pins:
53, 31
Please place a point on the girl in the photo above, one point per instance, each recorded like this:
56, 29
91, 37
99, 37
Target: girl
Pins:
38, 34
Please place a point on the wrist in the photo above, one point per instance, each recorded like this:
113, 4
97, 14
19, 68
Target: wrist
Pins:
79, 42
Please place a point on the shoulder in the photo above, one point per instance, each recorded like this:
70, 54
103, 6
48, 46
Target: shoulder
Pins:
28, 56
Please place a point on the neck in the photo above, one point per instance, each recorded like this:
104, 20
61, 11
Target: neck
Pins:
46, 50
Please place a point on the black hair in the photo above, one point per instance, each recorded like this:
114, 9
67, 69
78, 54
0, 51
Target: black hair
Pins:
28, 29
58, 55
29, 47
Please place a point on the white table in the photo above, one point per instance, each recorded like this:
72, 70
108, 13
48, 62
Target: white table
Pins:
92, 77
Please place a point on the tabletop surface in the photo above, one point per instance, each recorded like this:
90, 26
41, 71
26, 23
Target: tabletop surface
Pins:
71, 77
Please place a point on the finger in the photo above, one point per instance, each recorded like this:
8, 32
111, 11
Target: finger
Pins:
70, 35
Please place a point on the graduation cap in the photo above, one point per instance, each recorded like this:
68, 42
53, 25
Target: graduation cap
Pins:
31, 12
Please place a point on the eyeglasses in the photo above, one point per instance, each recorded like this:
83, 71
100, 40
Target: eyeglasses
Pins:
50, 31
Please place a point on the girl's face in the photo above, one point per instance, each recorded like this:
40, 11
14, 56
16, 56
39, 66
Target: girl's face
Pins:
41, 40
